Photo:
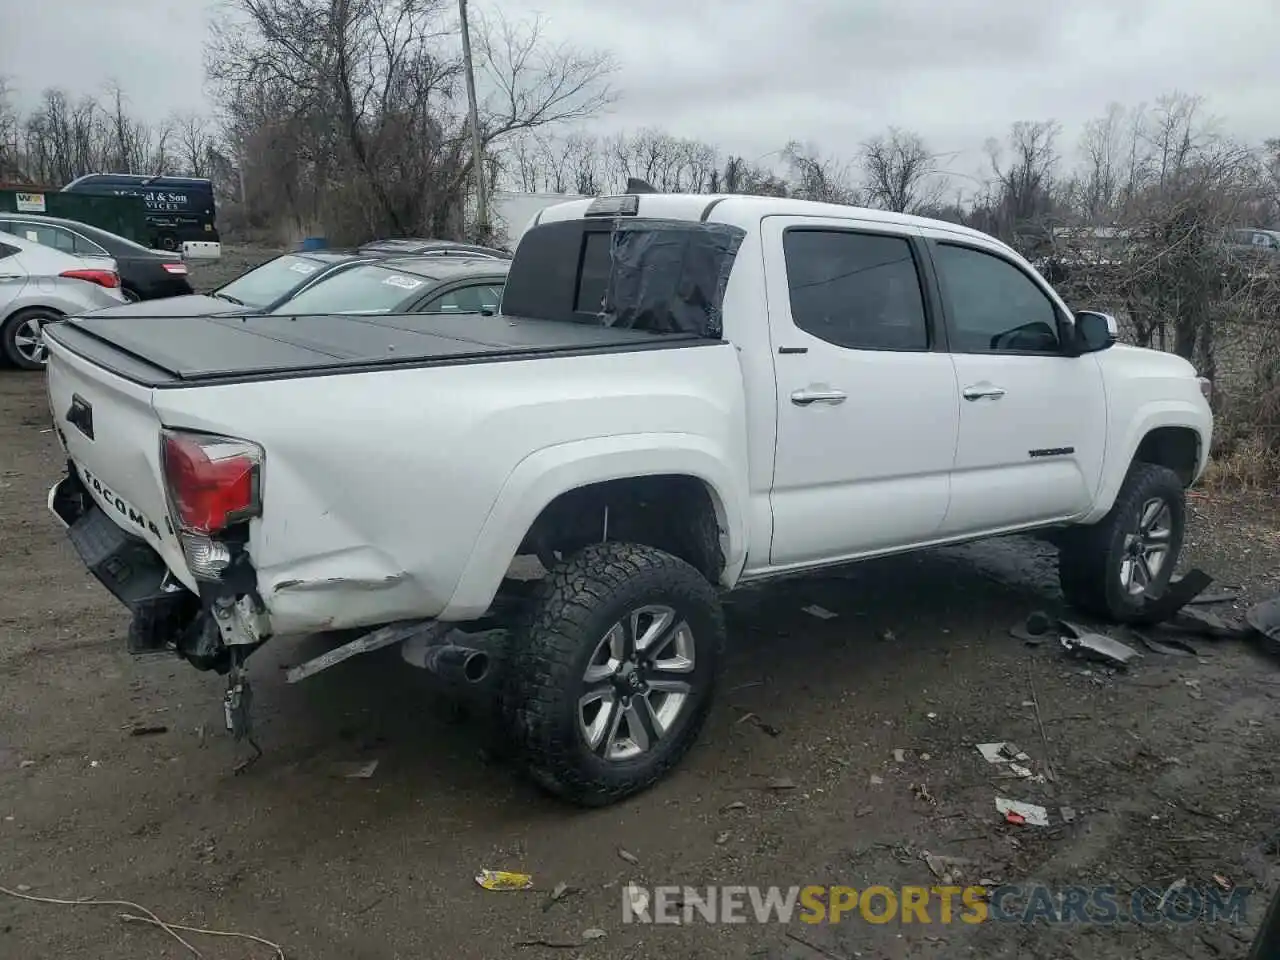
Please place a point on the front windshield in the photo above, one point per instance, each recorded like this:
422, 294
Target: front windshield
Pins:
266, 284
370, 288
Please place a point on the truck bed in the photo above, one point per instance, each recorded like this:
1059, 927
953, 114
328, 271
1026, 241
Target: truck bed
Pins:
160, 351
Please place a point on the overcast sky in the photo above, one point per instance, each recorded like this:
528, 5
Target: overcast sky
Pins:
749, 75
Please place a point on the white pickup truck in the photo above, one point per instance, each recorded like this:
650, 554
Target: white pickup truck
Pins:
681, 395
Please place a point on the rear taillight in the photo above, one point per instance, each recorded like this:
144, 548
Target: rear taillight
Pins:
103, 278
213, 481
178, 269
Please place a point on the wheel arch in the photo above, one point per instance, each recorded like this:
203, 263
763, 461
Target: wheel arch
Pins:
578, 473
1171, 434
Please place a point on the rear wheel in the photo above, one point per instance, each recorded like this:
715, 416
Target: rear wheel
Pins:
613, 677
22, 337
1112, 568
130, 294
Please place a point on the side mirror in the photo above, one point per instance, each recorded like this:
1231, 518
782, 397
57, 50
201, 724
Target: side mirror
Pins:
1095, 331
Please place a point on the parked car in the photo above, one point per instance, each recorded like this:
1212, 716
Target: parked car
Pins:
682, 395
259, 290
39, 285
144, 274
405, 285
417, 246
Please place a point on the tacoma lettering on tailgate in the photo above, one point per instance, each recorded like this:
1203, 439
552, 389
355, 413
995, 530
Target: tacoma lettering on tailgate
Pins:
124, 509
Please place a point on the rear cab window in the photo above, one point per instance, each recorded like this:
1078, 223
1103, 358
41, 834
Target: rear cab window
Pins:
660, 276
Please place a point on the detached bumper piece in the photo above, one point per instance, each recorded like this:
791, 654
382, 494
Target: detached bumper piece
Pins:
128, 567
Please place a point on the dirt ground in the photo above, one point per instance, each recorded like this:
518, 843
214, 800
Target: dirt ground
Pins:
1170, 768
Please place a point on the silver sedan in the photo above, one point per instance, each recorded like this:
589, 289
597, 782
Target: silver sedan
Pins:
40, 285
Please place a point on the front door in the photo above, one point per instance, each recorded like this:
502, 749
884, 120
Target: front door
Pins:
867, 413
1033, 419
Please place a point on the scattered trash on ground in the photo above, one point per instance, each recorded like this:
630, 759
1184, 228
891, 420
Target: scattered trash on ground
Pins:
822, 613
628, 856
1206, 623
1068, 814
1174, 887
501, 880
945, 869
921, 792
1265, 618
1034, 630
1178, 592
23, 764
1193, 688
864, 811
561, 891
355, 771
899, 756
1169, 647
722, 838
637, 899
754, 720
594, 933
876, 780
736, 805
1223, 882
1082, 642
1008, 754
144, 915
1021, 813
1222, 596
148, 731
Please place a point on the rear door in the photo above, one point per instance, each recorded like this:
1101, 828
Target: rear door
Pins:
866, 393
1032, 418
468, 298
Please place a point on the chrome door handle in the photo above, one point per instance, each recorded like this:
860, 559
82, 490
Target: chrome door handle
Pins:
802, 398
981, 391
10, 276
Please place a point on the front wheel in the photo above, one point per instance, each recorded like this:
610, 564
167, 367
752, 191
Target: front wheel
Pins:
613, 677
1112, 569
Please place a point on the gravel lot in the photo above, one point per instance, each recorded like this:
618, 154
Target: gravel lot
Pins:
1170, 768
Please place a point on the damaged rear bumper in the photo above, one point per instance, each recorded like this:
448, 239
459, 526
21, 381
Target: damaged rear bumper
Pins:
165, 614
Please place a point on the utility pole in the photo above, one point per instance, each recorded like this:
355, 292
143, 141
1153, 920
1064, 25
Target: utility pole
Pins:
477, 152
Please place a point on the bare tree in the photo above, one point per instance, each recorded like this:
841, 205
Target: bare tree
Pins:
899, 172
1026, 181
815, 178
357, 102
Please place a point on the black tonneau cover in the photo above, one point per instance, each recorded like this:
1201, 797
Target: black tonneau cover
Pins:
186, 351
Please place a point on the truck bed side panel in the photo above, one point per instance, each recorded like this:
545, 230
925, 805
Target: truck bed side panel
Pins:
377, 485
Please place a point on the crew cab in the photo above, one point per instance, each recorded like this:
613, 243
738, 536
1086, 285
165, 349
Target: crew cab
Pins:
681, 395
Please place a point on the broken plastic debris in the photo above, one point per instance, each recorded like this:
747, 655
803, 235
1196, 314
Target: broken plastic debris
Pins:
357, 771
822, 613
1002, 752
23, 764
628, 856
1018, 812
593, 933
1079, 641
637, 900
504, 880
1265, 618
899, 756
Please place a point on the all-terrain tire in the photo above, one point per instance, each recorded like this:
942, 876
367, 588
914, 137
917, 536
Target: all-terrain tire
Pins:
1090, 558
575, 607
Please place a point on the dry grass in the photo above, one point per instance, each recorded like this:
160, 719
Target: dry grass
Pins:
1251, 465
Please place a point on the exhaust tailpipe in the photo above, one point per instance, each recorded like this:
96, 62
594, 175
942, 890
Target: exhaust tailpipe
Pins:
457, 664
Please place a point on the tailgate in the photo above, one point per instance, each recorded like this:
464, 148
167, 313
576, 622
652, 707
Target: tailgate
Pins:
112, 437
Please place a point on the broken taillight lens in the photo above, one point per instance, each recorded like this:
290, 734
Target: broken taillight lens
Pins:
213, 481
